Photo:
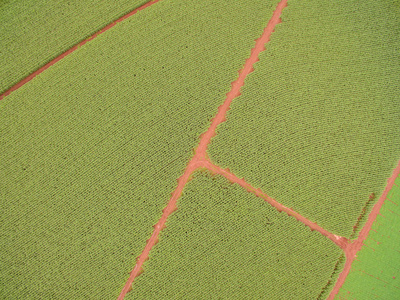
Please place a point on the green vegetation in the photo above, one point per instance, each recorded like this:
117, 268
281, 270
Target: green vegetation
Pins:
317, 125
226, 243
375, 272
92, 147
32, 33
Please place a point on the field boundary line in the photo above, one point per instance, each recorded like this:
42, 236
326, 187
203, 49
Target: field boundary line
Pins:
200, 155
73, 48
355, 246
340, 241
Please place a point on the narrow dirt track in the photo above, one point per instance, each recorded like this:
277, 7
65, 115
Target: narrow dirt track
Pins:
200, 159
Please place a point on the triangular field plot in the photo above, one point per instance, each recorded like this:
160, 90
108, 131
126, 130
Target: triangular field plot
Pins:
181, 149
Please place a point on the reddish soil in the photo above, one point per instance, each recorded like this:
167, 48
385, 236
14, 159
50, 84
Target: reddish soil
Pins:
200, 161
354, 246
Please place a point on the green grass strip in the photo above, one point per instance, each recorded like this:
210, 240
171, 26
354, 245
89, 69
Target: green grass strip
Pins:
317, 125
32, 33
375, 272
226, 243
92, 147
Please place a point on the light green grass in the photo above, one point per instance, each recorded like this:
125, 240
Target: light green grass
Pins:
318, 124
32, 33
375, 274
226, 243
91, 148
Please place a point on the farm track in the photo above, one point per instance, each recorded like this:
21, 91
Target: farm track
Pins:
200, 160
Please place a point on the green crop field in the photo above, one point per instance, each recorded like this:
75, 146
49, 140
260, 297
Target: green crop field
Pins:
92, 147
317, 126
34, 32
222, 235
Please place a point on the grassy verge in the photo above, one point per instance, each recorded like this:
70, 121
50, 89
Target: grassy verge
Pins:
375, 272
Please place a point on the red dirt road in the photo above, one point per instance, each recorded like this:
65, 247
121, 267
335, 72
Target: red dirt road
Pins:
354, 246
200, 160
